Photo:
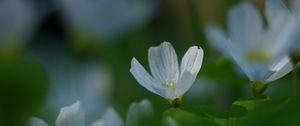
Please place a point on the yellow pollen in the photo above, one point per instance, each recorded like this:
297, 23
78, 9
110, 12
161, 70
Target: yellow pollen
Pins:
253, 56
171, 85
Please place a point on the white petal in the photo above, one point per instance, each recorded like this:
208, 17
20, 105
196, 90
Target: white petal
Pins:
192, 60
143, 77
109, 118
190, 66
217, 38
283, 67
296, 5
281, 36
238, 55
147, 81
138, 111
282, 29
163, 63
34, 121
275, 11
185, 82
245, 25
71, 116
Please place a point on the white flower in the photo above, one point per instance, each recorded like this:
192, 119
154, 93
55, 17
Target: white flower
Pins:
262, 53
167, 79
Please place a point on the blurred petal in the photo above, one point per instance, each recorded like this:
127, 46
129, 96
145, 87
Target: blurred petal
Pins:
238, 55
163, 63
98, 123
217, 38
281, 37
296, 5
275, 11
190, 66
169, 121
34, 121
109, 118
245, 25
283, 67
282, 29
71, 116
138, 111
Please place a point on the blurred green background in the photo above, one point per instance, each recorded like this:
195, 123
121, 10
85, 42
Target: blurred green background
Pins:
61, 61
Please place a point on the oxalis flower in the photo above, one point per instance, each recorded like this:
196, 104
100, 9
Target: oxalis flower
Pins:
261, 53
167, 80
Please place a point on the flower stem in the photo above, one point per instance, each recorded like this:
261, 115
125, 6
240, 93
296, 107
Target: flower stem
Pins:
175, 102
295, 57
295, 84
258, 88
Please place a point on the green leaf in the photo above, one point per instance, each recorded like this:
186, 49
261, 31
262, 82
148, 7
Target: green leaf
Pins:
23, 86
185, 118
218, 116
206, 111
257, 109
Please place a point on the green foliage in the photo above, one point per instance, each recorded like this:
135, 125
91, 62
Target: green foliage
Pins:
259, 108
185, 118
23, 85
243, 112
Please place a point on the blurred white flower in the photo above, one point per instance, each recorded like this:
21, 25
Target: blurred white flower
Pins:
105, 19
74, 115
17, 18
138, 111
71, 116
167, 80
91, 83
169, 121
109, 118
262, 53
34, 121
135, 113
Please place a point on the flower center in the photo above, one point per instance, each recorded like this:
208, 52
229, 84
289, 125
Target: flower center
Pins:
258, 88
171, 84
260, 56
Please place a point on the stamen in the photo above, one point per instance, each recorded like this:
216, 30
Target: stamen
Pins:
254, 56
171, 84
